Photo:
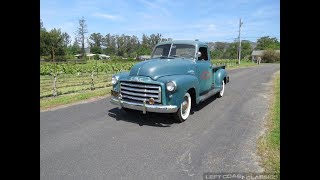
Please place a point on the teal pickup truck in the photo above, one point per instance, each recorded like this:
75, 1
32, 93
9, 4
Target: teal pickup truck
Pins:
178, 76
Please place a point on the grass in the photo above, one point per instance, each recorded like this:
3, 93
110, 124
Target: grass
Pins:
242, 65
46, 103
269, 143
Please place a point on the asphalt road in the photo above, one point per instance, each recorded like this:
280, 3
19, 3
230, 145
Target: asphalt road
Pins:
97, 141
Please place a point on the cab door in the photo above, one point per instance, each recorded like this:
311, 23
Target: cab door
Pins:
204, 71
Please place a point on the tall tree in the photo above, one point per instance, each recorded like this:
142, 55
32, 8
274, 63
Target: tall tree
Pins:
246, 48
66, 39
54, 41
43, 40
154, 39
95, 41
110, 43
75, 48
81, 31
266, 42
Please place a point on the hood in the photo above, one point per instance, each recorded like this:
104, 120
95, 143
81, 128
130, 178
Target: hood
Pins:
156, 68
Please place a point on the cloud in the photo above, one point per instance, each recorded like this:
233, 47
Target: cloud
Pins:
266, 12
158, 6
107, 16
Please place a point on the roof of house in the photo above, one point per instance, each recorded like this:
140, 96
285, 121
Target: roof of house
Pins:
260, 52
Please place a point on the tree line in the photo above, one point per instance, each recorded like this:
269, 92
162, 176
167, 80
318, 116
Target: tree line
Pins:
56, 45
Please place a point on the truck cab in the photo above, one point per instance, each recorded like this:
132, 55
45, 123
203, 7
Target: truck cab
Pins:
179, 75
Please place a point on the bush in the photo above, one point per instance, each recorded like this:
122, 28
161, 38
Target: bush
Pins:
270, 56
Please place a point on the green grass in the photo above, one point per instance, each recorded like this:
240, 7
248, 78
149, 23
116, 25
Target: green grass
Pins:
46, 103
242, 65
269, 143
232, 63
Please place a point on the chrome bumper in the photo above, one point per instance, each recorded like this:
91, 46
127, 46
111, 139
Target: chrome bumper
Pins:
144, 107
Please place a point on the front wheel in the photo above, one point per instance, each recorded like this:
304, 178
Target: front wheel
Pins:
220, 94
184, 111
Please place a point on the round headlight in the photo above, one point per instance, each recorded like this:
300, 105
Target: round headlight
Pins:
171, 86
114, 79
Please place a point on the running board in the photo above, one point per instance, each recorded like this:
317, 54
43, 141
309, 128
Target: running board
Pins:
209, 94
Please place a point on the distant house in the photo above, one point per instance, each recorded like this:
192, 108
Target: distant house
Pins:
90, 55
144, 57
87, 53
259, 53
103, 56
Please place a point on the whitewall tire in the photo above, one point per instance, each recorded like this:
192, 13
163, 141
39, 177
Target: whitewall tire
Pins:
222, 90
184, 111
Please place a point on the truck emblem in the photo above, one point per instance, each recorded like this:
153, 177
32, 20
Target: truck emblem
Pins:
136, 79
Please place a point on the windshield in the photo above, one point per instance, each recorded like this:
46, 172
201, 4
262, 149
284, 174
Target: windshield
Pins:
177, 50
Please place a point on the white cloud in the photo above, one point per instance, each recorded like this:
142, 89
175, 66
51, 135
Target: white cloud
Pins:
158, 6
266, 12
107, 16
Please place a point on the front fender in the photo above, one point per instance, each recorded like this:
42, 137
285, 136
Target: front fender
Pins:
122, 76
184, 83
220, 75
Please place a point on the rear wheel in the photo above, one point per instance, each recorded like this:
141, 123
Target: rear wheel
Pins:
184, 111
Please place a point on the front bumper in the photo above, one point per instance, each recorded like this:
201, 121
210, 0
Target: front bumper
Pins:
144, 107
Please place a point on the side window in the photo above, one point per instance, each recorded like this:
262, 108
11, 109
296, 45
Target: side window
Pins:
204, 53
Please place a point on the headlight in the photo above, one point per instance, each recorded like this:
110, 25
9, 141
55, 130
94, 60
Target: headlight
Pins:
171, 86
114, 79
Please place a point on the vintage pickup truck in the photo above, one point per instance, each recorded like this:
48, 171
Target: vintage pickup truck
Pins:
178, 76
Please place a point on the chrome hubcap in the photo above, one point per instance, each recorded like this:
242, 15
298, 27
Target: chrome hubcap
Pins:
185, 105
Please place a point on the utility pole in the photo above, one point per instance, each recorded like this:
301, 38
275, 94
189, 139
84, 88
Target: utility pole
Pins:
240, 23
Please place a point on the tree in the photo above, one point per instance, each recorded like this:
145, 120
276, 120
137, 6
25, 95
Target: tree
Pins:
54, 42
133, 46
95, 41
216, 54
266, 42
81, 31
66, 39
270, 56
75, 48
110, 43
246, 49
219, 50
232, 51
154, 39
43, 39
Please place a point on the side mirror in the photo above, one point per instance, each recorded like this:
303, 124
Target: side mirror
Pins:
198, 54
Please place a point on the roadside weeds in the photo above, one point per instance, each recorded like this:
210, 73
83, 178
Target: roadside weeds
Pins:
269, 143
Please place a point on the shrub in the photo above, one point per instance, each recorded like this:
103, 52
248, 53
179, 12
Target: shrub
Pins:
270, 56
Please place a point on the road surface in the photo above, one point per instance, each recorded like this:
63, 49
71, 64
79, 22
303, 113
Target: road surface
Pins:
97, 141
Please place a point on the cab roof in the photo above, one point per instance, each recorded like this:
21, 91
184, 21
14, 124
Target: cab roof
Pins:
192, 42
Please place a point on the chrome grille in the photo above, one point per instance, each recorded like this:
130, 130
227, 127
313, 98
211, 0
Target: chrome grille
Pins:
137, 91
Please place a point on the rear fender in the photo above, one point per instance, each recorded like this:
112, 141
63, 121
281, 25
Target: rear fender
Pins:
220, 75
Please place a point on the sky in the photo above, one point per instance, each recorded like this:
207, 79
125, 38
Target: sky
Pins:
206, 20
